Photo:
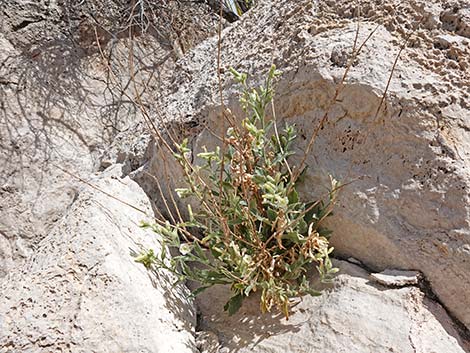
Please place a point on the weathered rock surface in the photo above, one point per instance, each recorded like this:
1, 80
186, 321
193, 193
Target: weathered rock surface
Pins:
63, 99
396, 278
408, 207
353, 316
53, 113
82, 291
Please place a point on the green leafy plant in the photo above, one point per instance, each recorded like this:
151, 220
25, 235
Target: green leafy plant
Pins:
257, 233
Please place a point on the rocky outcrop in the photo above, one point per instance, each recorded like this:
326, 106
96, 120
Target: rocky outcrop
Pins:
82, 290
409, 156
53, 113
63, 99
69, 279
353, 316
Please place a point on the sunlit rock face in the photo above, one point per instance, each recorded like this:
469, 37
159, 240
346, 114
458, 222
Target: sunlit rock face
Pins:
68, 278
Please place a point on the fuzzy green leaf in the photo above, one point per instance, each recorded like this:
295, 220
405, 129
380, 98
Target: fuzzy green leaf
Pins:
234, 304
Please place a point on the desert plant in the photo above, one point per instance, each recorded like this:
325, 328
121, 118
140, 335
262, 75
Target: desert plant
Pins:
257, 233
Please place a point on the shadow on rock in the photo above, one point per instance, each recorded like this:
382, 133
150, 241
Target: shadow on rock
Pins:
244, 330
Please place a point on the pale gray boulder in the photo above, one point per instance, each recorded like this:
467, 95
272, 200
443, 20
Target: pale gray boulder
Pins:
63, 99
354, 316
408, 207
82, 291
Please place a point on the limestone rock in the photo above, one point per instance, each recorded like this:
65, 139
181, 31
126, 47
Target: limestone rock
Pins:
354, 316
396, 278
63, 99
79, 289
409, 156
82, 290
207, 342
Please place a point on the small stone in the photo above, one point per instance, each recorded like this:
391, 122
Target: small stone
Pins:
354, 261
396, 278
